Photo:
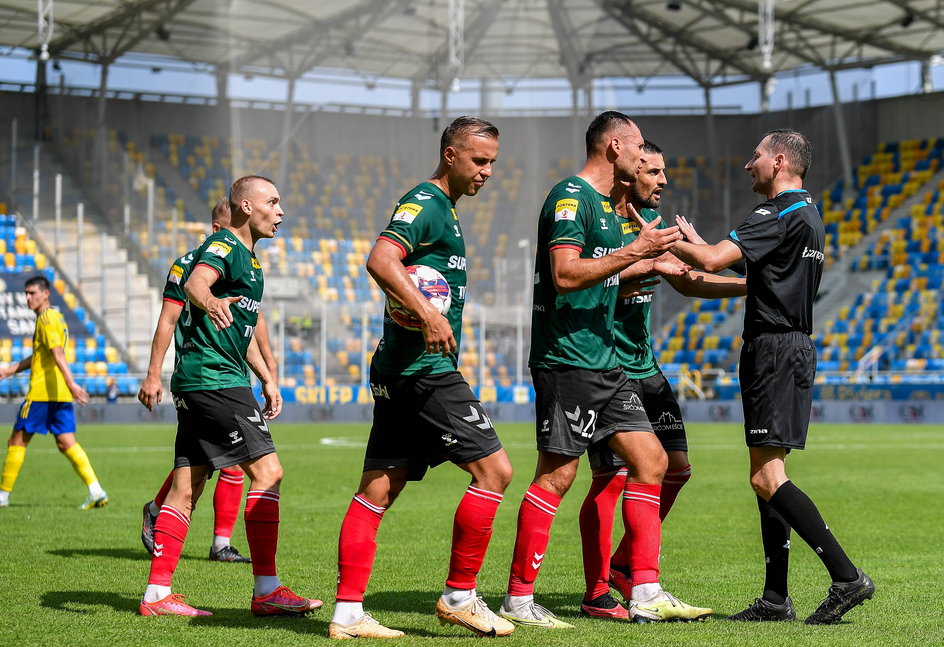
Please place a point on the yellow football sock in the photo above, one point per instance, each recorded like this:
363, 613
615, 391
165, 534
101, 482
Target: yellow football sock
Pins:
81, 464
16, 454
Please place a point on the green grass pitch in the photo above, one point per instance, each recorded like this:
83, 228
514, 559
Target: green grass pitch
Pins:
74, 578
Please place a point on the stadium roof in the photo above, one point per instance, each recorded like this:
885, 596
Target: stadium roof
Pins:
714, 42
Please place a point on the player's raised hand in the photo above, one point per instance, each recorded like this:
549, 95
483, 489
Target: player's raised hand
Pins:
652, 241
638, 287
668, 265
688, 230
273, 400
150, 392
437, 335
218, 311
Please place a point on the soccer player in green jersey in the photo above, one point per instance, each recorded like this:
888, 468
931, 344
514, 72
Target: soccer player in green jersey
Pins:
229, 483
634, 349
583, 397
424, 411
219, 421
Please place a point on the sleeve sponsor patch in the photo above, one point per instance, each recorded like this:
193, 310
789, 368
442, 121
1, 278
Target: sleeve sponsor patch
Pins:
407, 212
219, 248
629, 227
565, 209
175, 275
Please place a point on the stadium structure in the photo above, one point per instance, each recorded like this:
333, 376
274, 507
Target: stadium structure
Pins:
102, 187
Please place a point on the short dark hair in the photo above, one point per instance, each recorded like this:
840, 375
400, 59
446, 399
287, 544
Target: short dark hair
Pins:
466, 126
602, 124
241, 189
221, 211
649, 147
794, 145
40, 281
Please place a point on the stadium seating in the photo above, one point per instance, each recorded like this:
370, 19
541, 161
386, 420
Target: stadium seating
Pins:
91, 359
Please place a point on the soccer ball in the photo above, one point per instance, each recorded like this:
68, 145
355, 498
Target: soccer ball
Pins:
431, 285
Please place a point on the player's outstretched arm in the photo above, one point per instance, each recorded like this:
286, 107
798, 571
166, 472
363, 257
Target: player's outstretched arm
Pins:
711, 258
270, 389
16, 367
708, 286
151, 389
198, 291
80, 395
386, 267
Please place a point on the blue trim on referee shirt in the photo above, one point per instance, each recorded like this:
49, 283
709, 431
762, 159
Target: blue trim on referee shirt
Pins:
792, 207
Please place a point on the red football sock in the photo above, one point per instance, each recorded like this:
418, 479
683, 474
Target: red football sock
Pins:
262, 529
471, 532
643, 530
596, 530
170, 531
535, 517
226, 497
357, 546
673, 482
162, 493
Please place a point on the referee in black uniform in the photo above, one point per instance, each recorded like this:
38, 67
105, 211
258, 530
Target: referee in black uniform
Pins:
782, 242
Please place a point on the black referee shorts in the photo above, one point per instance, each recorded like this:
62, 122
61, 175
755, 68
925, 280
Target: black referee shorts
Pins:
776, 374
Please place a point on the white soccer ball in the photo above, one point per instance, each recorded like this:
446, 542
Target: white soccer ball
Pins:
431, 285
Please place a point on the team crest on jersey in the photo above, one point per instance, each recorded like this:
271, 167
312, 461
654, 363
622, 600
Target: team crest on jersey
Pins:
607, 208
256, 264
219, 248
407, 212
565, 209
455, 216
176, 274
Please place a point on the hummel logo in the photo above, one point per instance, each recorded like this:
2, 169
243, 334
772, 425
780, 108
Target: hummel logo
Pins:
449, 440
235, 436
537, 560
475, 417
258, 418
423, 196
158, 550
569, 190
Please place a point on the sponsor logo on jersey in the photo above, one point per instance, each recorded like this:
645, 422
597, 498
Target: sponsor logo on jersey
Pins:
248, 304
629, 227
757, 432
600, 252
565, 209
256, 264
407, 212
219, 248
815, 254
456, 262
176, 274
607, 208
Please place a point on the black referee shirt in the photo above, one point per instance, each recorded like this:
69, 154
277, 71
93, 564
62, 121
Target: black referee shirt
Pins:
783, 241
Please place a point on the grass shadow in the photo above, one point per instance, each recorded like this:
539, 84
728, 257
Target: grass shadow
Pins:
135, 554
